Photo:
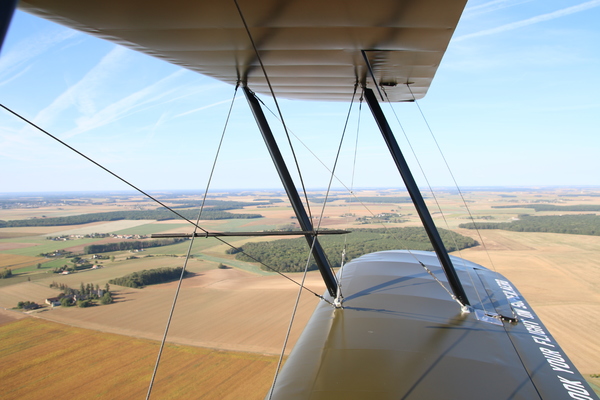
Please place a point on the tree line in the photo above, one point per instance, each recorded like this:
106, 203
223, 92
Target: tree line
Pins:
553, 207
222, 205
157, 214
130, 245
149, 277
289, 255
586, 224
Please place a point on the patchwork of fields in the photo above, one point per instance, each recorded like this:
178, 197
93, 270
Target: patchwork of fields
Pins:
244, 309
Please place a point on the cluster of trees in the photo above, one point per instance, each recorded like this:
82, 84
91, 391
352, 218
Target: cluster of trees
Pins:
83, 297
382, 218
586, 224
27, 305
289, 255
149, 277
87, 236
61, 286
130, 245
78, 264
57, 253
160, 214
72, 268
552, 207
6, 273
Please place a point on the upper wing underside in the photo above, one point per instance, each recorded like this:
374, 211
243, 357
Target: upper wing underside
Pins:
311, 49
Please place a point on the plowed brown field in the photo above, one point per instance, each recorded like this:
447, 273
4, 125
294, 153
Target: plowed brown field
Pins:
220, 308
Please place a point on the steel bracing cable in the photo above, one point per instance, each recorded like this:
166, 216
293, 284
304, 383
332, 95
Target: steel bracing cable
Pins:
463, 201
289, 330
339, 296
350, 189
189, 251
100, 166
451, 174
153, 198
284, 125
387, 99
337, 156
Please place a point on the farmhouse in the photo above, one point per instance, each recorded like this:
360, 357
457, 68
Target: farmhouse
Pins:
53, 301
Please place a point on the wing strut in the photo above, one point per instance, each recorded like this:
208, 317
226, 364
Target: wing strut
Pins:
417, 198
292, 193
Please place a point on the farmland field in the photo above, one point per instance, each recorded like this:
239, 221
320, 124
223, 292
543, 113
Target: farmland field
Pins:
232, 308
42, 359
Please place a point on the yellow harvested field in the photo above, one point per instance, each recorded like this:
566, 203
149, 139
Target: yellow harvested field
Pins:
559, 275
45, 360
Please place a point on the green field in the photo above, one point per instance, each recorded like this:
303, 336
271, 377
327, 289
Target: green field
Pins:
151, 228
43, 245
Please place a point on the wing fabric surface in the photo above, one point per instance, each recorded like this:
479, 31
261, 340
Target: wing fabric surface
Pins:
311, 49
400, 336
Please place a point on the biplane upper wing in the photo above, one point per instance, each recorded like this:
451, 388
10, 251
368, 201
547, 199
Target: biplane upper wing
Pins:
311, 49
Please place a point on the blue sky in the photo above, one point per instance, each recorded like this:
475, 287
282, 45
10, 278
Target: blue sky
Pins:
515, 102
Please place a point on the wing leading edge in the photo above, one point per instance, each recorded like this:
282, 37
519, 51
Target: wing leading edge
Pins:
311, 49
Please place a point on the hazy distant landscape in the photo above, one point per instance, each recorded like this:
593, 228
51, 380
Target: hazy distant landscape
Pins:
546, 241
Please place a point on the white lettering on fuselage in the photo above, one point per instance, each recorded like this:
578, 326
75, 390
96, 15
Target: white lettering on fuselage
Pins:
555, 360
575, 389
548, 349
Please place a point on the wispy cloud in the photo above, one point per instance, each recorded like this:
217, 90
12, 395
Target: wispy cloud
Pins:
203, 108
534, 20
157, 93
81, 93
491, 6
18, 57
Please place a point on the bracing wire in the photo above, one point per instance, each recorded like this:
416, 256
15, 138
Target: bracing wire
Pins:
437, 205
100, 166
350, 189
189, 251
430, 189
356, 143
337, 156
284, 125
339, 298
291, 323
461, 196
153, 198
339, 294
452, 175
